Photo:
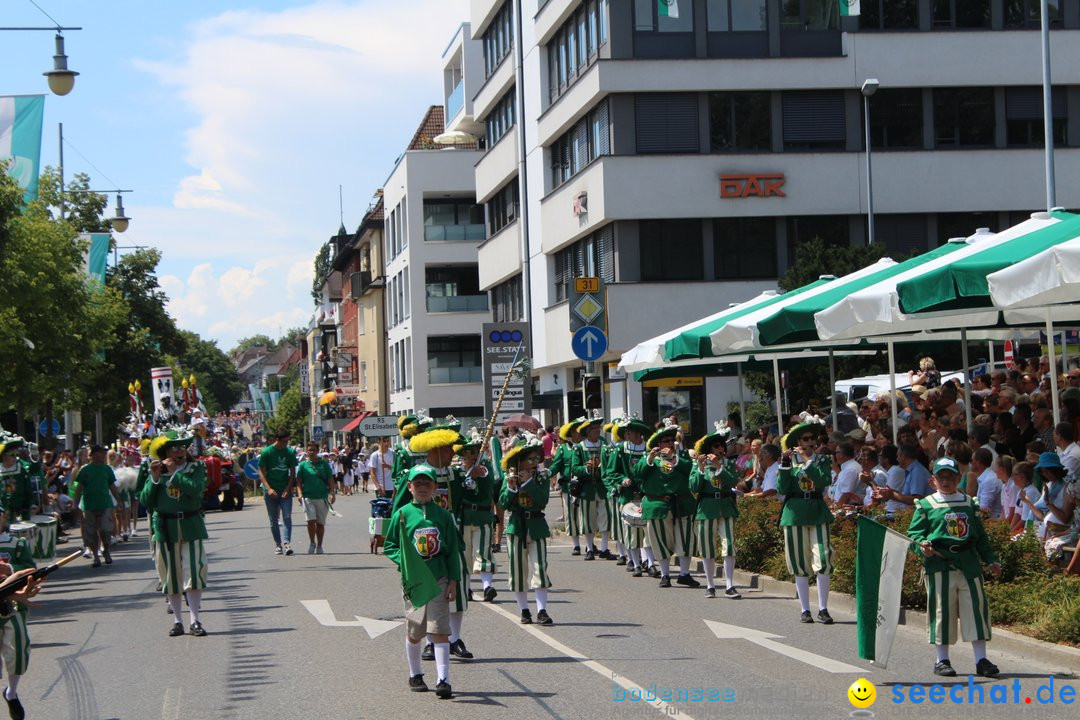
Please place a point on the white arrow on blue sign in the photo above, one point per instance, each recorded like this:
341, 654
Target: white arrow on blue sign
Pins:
589, 343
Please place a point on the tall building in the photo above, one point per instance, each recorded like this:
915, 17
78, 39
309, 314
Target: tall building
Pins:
434, 304
683, 150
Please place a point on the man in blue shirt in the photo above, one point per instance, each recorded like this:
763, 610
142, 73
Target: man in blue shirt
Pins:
916, 477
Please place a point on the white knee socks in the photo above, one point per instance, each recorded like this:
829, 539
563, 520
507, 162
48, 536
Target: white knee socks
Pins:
194, 600
649, 556
635, 557
604, 540
13, 685
665, 567
684, 565
942, 652
621, 548
174, 605
541, 599
729, 571
522, 600
802, 586
455, 626
412, 654
442, 661
485, 579
823, 591
590, 543
710, 572
979, 646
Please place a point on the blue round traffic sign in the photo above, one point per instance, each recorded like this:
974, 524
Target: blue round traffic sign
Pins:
48, 430
251, 469
589, 343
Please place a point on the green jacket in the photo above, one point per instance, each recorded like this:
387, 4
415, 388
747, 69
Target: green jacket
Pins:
664, 487
798, 481
18, 494
473, 507
526, 506
592, 485
560, 464
955, 530
619, 463
173, 496
404, 459
710, 483
432, 531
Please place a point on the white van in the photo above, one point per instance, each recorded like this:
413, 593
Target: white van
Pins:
858, 389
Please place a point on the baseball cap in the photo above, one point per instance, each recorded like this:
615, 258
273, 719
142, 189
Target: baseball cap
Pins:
946, 463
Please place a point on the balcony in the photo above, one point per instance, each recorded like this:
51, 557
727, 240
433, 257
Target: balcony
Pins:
455, 101
454, 233
457, 303
455, 375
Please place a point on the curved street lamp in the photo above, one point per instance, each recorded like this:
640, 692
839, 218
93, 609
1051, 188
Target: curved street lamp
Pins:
61, 78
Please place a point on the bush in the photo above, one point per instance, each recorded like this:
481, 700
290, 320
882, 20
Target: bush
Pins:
1046, 607
757, 535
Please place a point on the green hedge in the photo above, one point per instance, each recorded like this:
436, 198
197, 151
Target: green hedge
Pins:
1031, 595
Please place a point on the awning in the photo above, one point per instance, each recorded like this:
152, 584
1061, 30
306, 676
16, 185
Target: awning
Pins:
355, 422
1052, 276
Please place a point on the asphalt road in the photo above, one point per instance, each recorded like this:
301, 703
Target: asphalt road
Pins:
100, 648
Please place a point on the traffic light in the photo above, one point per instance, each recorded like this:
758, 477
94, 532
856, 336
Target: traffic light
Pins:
592, 392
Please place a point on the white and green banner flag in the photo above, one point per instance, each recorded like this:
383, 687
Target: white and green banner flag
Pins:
668, 8
879, 574
21, 117
97, 254
849, 8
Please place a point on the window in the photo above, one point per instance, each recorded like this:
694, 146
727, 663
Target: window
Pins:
744, 248
664, 16
593, 256
502, 208
406, 294
453, 220
814, 120
454, 359
896, 119
737, 16
507, 301
454, 289
903, 235
363, 375
889, 15
831, 229
1024, 116
810, 15
408, 363
964, 117
953, 14
1027, 14
576, 45
671, 250
498, 39
501, 119
361, 321
740, 121
666, 123
963, 224
587, 140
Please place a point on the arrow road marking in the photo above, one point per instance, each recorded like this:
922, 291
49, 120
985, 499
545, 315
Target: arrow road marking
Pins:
325, 615
766, 640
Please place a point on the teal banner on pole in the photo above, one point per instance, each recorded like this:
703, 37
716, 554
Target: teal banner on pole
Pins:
21, 118
98, 255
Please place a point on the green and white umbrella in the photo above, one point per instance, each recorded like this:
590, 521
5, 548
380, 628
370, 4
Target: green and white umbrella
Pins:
1046, 278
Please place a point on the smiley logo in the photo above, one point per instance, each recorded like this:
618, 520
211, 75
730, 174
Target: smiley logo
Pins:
862, 693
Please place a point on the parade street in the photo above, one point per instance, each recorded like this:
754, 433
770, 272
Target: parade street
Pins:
319, 636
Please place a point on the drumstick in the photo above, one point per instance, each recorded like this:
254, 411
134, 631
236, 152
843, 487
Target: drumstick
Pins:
20, 583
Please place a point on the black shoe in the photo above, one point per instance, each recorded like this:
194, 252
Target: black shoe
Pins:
590, 555
97, 561
429, 652
806, 617
177, 630
944, 668
637, 572
15, 708
621, 560
732, 593
490, 594
458, 648
630, 567
665, 581
543, 618
197, 629
417, 684
606, 555
710, 592
576, 550
495, 547
108, 557
443, 691
654, 572
687, 581
985, 668
824, 617
470, 596
526, 617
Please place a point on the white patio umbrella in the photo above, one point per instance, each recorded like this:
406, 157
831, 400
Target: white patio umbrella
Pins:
1050, 277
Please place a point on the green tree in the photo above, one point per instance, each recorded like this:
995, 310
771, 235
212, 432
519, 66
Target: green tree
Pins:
83, 209
215, 373
815, 258
289, 414
322, 271
253, 341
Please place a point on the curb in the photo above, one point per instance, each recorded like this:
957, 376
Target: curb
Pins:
1026, 648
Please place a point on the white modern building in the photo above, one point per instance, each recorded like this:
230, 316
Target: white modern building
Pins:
684, 157
434, 304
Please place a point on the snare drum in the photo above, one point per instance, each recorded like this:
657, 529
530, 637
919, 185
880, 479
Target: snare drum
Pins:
26, 530
45, 543
631, 515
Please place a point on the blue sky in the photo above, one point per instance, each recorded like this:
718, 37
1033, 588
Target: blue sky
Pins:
234, 123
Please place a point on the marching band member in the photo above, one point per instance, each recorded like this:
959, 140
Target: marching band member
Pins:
664, 475
18, 493
525, 495
587, 488
475, 485
15, 555
806, 517
621, 481
404, 458
569, 437
713, 479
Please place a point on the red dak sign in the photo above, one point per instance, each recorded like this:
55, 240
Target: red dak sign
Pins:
755, 185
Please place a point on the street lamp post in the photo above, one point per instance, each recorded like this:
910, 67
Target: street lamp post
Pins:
869, 87
61, 79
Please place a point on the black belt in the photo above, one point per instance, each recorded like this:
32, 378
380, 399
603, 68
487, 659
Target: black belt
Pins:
807, 496
660, 498
530, 514
720, 495
475, 507
180, 515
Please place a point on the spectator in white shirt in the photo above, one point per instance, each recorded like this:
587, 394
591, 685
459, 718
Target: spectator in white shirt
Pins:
380, 465
989, 484
1068, 450
1023, 473
770, 467
1010, 491
847, 488
895, 478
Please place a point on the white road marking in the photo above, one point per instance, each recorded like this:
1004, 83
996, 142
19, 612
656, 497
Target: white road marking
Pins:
607, 673
170, 707
325, 615
766, 640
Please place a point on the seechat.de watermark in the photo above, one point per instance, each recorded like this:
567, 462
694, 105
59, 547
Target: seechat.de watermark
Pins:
973, 694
